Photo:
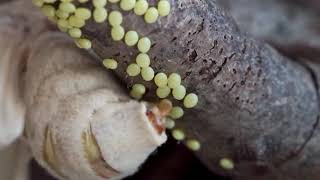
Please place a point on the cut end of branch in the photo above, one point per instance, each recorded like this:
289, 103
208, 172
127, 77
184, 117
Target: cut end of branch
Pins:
49, 153
94, 156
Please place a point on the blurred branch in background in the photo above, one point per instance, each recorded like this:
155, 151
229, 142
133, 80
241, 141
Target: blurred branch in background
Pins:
2, 1
313, 4
289, 26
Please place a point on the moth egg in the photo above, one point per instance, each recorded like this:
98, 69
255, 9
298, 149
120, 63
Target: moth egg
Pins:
62, 14
163, 92
76, 22
83, 13
114, 1
164, 7
141, 7
117, 33
75, 32
190, 101
164, 106
143, 60
115, 18
38, 3
83, 1
131, 38
147, 73
48, 10
84, 43
144, 45
49, 1
67, 7
179, 92
127, 5
63, 23
99, 3
135, 95
151, 15
226, 164
174, 80
178, 134
100, 15
62, 29
133, 70
139, 88
169, 123
110, 63
193, 145
161, 80
176, 112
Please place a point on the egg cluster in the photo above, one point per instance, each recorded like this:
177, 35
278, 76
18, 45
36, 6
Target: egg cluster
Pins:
70, 18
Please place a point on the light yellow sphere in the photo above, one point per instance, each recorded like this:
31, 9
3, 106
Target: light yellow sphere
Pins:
100, 14
151, 15
115, 18
141, 7
131, 38
127, 5
164, 7
117, 33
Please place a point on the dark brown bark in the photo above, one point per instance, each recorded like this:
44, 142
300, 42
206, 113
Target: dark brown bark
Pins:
255, 107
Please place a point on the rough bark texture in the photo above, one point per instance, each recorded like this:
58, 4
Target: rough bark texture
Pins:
256, 106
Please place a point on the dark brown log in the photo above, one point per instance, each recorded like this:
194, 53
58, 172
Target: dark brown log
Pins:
256, 107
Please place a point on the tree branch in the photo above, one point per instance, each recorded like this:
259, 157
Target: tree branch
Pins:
255, 107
